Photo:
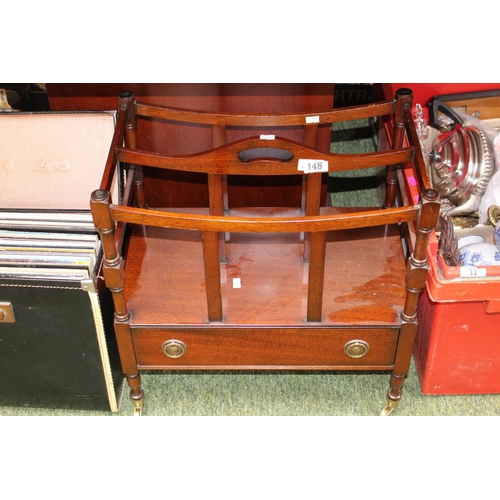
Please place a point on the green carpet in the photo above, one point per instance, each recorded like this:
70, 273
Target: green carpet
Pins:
282, 394
295, 393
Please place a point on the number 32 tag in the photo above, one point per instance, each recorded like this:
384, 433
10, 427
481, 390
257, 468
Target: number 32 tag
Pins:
313, 166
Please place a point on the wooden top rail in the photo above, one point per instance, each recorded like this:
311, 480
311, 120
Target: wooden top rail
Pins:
263, 119
226, 159
320, 223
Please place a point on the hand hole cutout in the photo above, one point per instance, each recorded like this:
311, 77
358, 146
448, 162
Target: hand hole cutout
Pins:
265, 154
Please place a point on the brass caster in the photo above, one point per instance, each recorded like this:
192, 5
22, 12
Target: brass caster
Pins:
138, 407
391, 406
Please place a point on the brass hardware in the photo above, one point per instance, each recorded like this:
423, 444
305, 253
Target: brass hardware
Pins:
6, 313
465, 221
356, 348
89, 285
173, 348
493, 214
138, 404
391, 406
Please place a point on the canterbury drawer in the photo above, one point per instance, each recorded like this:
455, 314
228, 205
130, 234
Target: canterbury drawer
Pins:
272, 347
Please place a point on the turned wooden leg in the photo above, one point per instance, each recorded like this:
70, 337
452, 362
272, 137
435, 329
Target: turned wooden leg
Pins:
136, 393
394, 394
403, 356
114, 272
416, 276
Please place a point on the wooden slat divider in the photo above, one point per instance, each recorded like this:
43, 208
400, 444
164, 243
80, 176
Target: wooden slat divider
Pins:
217, 188
212, 275
316, 277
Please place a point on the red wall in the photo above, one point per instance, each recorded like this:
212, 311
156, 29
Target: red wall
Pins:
423, 92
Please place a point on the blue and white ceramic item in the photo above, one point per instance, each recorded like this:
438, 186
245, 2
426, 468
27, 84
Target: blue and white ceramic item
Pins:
480, 254
469, 240
497, 235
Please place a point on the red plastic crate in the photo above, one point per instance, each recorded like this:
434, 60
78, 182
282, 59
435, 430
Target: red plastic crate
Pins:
457, 347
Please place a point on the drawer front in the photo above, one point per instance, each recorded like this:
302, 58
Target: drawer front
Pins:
271, 347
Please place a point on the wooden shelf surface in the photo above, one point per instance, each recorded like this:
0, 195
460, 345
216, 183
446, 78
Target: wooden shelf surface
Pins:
364, 279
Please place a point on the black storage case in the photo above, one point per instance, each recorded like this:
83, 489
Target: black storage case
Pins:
57, 343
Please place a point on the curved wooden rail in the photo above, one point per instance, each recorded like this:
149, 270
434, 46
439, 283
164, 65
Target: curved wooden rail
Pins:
315, 224
225, 159
232, 119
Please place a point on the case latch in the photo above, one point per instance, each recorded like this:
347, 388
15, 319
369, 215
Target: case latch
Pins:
6, 313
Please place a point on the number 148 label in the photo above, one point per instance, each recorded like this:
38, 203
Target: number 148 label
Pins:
313, 166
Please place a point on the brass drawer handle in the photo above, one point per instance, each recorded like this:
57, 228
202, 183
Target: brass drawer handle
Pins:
356, 348
173, 348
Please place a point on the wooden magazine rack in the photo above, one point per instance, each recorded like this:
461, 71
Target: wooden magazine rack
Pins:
305, 288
